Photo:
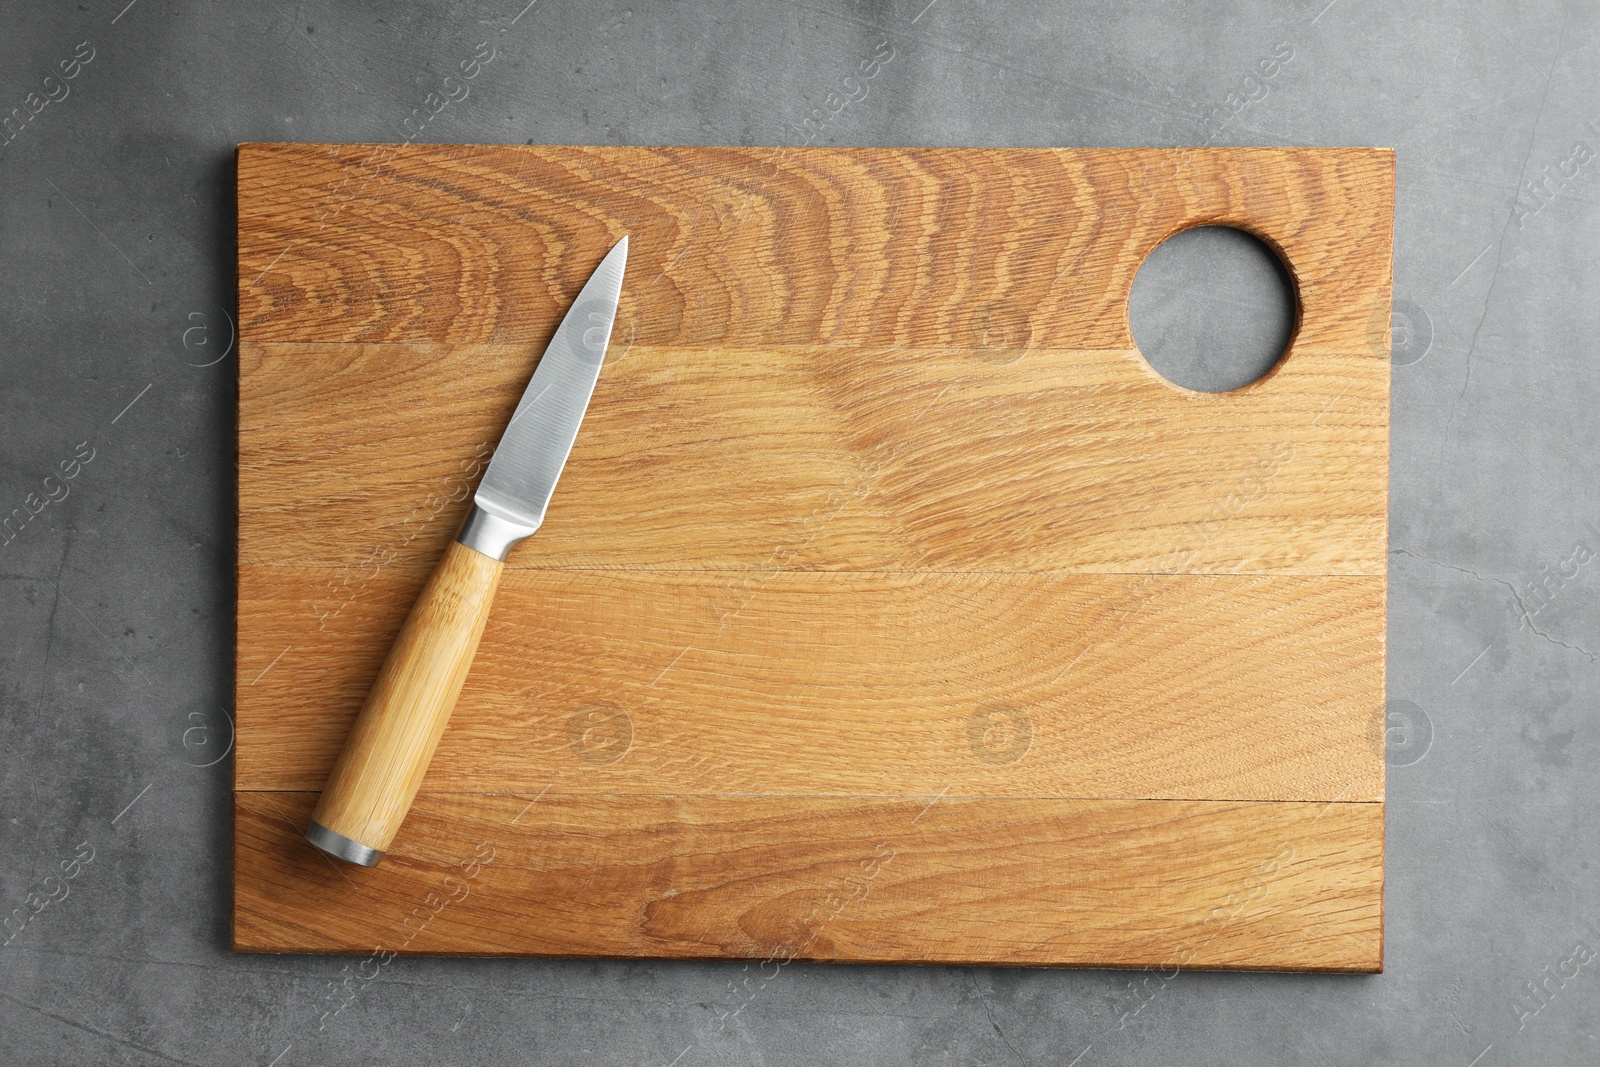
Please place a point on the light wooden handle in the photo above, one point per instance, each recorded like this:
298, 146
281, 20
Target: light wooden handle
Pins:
392, 742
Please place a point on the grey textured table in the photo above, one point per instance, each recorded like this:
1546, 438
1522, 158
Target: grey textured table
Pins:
117, 397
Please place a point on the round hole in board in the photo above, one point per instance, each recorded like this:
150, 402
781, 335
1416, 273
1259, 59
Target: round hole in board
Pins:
1212, 309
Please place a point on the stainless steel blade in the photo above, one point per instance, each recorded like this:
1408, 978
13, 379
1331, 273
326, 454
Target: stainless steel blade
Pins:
517, 486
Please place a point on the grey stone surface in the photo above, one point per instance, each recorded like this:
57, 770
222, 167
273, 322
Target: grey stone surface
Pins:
1212, 308
116, 601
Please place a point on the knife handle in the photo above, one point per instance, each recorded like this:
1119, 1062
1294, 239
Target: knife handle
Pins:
384, 758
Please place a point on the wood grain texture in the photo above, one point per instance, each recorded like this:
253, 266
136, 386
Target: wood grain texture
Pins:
756, 246
1102, 883
858, 684
876, 502
386, 753
810, 457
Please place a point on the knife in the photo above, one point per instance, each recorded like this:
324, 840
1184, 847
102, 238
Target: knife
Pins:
380, 769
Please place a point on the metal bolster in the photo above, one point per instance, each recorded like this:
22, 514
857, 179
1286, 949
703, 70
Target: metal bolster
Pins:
490, 534
336, 844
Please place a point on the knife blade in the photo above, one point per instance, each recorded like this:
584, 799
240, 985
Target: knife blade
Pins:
517, 486
381, 766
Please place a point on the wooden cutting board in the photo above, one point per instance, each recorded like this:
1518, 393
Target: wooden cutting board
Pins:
890, 608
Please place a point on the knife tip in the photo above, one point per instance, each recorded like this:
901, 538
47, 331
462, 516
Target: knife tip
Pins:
617, 258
